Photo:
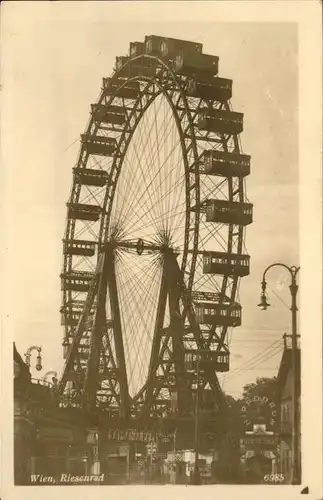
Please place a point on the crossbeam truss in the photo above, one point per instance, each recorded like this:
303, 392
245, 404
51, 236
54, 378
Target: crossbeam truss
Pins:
101, 382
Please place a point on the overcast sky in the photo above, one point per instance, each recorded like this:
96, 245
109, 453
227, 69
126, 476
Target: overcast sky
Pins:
53, 72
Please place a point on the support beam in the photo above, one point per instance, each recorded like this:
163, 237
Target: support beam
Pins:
177, 333
155, 349
209, 375
117, 333
92, 371
72, 356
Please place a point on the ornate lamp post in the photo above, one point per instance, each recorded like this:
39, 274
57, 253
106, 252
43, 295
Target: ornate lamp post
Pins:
39, 359
293, 270
196, 473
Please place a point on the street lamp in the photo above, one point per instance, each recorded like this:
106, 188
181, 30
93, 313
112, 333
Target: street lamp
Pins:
39, 359
196, 473
293, 270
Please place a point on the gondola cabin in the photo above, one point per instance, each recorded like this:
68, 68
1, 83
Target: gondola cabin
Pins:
138, 68
91, 176
214, 89
82, 211
121, 61
197, 63
209, 313
225, 164
226, 264
171, 47
153, 45
220, 121
217, 360
71, 313
229, 212
71, 318
78, 281
79, 247
222, 361
141, 67
136, 49
120, 87
98, 145
115, 115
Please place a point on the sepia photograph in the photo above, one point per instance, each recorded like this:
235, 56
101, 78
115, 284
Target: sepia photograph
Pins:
157, 310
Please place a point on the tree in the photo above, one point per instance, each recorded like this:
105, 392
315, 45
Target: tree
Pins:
229, 400
264, 386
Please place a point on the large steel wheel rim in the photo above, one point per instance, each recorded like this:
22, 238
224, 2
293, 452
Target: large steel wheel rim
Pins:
198, 236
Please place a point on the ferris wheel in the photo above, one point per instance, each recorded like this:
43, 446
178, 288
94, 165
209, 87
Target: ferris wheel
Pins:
154, 241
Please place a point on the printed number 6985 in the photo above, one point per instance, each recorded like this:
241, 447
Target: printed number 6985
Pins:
274, 478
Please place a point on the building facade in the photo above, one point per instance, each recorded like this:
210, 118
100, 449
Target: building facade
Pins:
284, 395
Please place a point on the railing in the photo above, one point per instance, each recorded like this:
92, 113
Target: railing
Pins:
45, 383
